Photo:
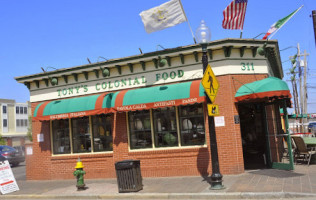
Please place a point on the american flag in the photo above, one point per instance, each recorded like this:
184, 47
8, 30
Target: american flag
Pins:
234, 15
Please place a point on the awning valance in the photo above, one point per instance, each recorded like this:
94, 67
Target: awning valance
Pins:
75, 107
126, 100
159, 96
265, 88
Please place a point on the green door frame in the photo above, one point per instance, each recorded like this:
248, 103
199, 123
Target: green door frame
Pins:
276, 165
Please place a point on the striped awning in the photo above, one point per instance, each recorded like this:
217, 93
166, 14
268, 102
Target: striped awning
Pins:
271, 87
74, 107
125, 100
159, 96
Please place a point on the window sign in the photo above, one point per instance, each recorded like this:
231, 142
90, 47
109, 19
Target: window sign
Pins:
219, 121
40, 137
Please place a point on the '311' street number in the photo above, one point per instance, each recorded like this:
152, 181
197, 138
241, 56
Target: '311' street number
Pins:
247, 66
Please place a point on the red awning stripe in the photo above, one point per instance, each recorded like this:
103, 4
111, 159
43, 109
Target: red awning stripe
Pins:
41, 108
263, 95
99, 102
119, 98
195, 88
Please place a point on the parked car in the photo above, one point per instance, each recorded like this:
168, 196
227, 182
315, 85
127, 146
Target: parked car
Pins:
312, 128
14, 156
2, 158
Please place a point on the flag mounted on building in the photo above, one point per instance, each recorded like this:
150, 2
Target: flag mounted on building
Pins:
234, 15
277, 25
166, 15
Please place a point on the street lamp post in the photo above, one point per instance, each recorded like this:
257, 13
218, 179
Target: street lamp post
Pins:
203, 36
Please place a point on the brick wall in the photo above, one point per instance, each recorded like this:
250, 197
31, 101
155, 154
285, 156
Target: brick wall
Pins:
192, 161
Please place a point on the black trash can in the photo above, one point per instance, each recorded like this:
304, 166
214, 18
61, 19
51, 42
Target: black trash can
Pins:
129, 178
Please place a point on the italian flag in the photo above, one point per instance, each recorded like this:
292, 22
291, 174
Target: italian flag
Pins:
277, 25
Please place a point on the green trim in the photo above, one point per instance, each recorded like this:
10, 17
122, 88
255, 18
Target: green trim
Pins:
75, 76
196, 56
96, 71
143, 65
131, 68
181, 58
254, 51
227, 51
242, 51
156, 53
284, 166
119, 69
65, 78
86, 75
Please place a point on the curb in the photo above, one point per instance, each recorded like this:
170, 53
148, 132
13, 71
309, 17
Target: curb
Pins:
237, 195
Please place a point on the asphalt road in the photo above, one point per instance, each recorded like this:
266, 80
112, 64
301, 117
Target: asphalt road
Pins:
19, 172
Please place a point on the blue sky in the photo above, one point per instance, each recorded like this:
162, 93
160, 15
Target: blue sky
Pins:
63, 33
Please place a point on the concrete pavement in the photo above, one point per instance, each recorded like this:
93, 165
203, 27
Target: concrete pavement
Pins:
253, 184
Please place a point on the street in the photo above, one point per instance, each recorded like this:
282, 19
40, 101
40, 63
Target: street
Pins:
19, 172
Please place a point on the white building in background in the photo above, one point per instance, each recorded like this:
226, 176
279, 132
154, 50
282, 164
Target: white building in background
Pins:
14, 121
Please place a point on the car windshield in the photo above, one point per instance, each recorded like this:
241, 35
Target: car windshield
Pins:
6, 148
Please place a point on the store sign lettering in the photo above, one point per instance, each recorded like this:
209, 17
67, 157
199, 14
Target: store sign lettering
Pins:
133, 107
117, 84
67, 115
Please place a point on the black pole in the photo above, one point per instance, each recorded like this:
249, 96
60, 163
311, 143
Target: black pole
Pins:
314, 23
216, 177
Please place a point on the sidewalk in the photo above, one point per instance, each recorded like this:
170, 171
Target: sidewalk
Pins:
266, 183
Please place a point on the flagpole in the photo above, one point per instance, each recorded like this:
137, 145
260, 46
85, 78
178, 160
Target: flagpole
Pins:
187, 21
241, 34
285, 22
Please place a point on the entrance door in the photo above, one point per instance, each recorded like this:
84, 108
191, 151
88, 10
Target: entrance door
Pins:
253, 135
278, 138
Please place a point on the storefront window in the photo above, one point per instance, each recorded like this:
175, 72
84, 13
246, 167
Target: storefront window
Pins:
140, 129
192, 129
102, 133
61, 141
165, 127
81, 135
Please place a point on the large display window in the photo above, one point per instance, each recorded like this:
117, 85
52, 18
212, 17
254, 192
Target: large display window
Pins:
158, 128
81, 138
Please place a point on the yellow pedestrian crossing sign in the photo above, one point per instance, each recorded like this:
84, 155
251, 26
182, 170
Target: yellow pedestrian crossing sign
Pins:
210, 83
212, 109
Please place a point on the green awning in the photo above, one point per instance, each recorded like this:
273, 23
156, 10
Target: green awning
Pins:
159, 96
74, 107
265, 88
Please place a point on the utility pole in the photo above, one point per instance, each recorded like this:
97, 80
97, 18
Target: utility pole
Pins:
314, 23
305, 88
301, 86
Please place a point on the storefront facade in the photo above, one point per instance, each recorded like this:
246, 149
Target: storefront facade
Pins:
150, 107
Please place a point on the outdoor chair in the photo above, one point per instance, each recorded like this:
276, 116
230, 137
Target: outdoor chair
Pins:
301, 150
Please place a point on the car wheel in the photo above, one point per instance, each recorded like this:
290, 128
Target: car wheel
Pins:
15, 164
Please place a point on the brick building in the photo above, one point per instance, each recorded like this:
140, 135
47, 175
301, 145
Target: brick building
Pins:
151, 107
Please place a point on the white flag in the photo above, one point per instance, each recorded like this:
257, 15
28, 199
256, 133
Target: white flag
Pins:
163, 16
